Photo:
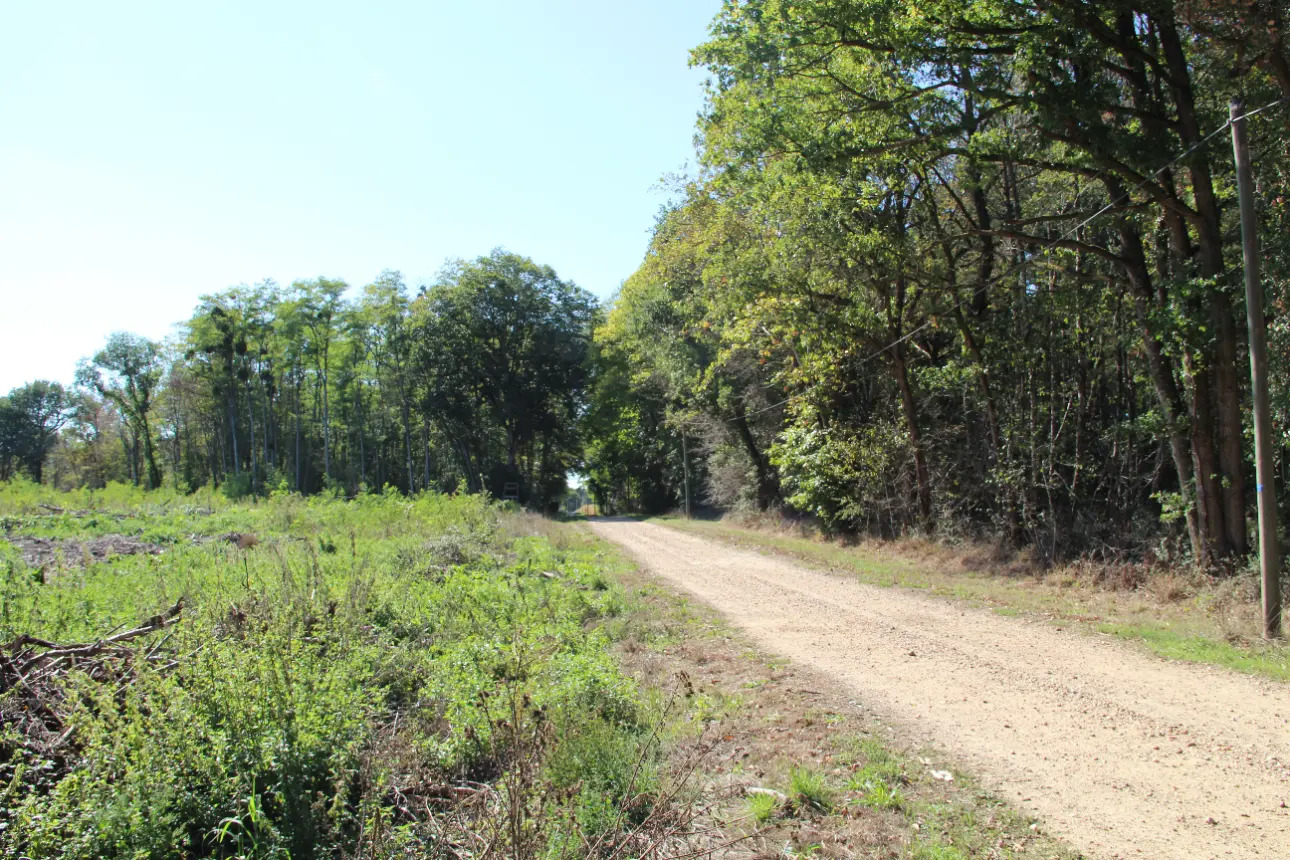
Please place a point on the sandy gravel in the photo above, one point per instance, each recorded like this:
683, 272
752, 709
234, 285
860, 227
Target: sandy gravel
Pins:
1120, 753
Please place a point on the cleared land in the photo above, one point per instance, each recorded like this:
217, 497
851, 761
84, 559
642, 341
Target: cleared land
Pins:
1124, 754
187, 676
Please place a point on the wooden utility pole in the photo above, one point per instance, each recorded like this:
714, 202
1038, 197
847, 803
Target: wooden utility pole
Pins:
1269, 547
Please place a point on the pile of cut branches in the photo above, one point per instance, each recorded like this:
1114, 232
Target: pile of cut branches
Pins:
32, 669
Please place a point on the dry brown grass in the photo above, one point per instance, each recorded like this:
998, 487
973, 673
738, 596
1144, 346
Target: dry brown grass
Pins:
1150, 578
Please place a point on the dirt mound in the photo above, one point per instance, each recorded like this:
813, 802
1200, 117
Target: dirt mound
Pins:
54, 553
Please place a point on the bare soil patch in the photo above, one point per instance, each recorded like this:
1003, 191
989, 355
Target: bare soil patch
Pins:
1122, 754
53, 553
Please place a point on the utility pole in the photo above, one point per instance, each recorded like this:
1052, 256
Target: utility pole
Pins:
685, 467
1269, 548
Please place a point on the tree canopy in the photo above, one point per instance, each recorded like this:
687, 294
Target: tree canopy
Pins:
479, 381
970, 266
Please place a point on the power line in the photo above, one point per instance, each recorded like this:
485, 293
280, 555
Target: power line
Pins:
1018, 267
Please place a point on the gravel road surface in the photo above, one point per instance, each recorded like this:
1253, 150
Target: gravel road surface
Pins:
1121, 753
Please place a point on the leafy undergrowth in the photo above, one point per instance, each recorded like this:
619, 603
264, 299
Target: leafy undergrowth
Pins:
792, 768
1191, 618
374, 678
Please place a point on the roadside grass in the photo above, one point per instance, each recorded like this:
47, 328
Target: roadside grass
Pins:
808, 789
788, 770
763, 807
1183, 618
383, 677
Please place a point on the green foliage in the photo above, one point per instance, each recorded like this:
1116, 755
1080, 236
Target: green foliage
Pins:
127, 372
30, 417
924, 850
236, 486
633, 455
479, 382
809, 790
503, 347
762, 807
301, 687
882, 795
933, 267
879, 776
613, 773
840, 474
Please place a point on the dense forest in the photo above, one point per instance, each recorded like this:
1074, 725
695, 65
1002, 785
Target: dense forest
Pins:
474, 383
967, 268
971, 267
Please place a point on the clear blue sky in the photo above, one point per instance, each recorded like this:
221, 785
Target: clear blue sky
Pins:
153, 152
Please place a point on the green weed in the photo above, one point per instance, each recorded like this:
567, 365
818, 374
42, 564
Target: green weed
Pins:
882, 795
808, 789
762, 807
934, 851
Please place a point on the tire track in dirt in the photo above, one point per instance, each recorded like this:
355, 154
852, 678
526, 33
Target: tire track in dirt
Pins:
1123, 754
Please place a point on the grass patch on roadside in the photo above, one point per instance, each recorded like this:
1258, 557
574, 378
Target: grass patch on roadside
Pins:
1268, 660
808, 789
762, 808
1210, 624
949, 819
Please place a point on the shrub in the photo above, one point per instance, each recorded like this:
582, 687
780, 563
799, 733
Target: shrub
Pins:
237, 486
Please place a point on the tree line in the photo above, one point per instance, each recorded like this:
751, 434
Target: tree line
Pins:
473, 383
965, 267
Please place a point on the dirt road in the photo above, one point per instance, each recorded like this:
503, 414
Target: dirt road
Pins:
1122, 754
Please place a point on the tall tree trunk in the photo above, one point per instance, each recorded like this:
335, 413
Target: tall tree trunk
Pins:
326, 419
250, 424
1209, 497
362, 454
175, 450
425, 441
189, 455
150, 456
1159, 369
297, 463
270, 443
910, 408
767, 480
407, 440
1166, 391
1227, 402
232, 429
130, 447
1230, 466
